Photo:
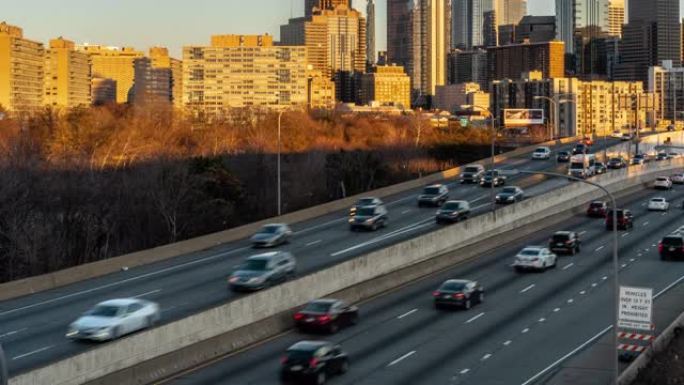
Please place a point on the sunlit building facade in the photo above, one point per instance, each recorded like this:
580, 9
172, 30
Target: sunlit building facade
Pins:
67, 75
22, 70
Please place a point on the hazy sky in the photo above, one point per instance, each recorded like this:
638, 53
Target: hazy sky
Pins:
171, 23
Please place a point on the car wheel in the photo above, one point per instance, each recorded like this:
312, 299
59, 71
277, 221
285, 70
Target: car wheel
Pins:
116, 333
344, 368
149, 322
467, 304
518, 269
374, 227
480, 298
354, 319
320, 378
333, 328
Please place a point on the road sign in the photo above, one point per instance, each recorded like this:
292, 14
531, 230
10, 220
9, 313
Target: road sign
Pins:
636, 308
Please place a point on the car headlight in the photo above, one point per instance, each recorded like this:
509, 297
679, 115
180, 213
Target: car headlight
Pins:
351, 220
72, 331
257, 279
369, 221
510, 198
233, 279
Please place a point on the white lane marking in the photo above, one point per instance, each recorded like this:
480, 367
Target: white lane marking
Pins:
475, 318
325, 224
405, 212
625, 234
582, 232
542, 319
148, 293
13, 332
645, 224
556, 310
568, 266
583, 292
565, 357
670, 286
486, 357
605, 277
408, 313
405, 356
594, 284
623, 265
168, 309
571, 300
464, 371
314, 243
632, 259
403, 230
33, 352
599, 248
479, 199
123, 281
525, 290
507, 343
525, 330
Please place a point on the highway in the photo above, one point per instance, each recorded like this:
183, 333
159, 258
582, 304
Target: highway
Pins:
32, 328
527, 323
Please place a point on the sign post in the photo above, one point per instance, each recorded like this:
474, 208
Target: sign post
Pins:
636, 314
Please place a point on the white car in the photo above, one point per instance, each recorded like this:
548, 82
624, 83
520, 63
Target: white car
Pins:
616, 134
112, 319
658, 204
271, 235
541, 153
663, 183
534, 258
677, 178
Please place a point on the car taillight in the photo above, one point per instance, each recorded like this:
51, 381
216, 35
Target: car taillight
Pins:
435, 294
283, 360
458, 295
313, 362
324, 318
298, 316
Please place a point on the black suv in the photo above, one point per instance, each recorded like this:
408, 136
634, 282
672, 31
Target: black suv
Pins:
617, 163
671, 247
313, 361
625, 219
563, 157
567, 242
580, 149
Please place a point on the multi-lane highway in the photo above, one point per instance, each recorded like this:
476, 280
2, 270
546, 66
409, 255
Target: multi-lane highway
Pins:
32, 328
526, 324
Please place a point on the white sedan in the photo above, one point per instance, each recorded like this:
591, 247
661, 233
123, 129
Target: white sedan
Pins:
677, 178
535, 258
658, 204
541, 153
663, 183
112, 319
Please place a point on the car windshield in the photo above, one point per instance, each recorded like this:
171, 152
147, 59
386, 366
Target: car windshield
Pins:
561, 237
530, 252
365, 202
596, 205
508, 190
104, 311
297, 355
452, 286
255, 265
366, 212
658, 200
431, 191
472, 169
620, 214
616, 160
491, 173
452, 206
540, 150
662, 179
563, 153
318, 307
272, 229
673, 241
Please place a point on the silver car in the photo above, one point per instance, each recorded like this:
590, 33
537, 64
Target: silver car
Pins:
262, 271
535, 258
112, 319
272, 235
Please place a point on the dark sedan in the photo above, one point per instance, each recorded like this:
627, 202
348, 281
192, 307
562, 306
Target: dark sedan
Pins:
597, 209
313, 361
509, 195
492, 177
459, 293
567, 242
671, 247
617, 163
563, 157
326, 314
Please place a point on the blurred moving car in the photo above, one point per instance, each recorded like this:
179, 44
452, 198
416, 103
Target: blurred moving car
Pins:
600, 168
313, 362
261, 271
658, 204
369, 218
597, 209
326, 314
567, 242
627, 136
458, 292
271, 235
563, 157
616, 163
625, 219
541, 153
663, 183
580, 149
434, 195
617, 134
115, 318
453, 211
534, 258
493, 176
677, 178
588, 141
511, 194
365, 202
639, 159
472, 173
671, 247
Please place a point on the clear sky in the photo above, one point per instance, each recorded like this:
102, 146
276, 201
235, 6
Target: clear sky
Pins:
170, 23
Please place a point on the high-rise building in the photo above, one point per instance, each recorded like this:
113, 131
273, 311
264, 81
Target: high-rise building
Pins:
667, 82
430, 31
335, 39
515, 60
616, 17
151, 84
114, 63
370, 32
162, 63
103, 91
452, 97
309, 5
468, 67
510, 11
474, 23
67, 75
536, 29
399, 32
321, 91
243, 71
386, 85
573, 16
22, 70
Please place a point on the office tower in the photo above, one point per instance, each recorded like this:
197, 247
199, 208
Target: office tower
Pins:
114, 63
453, 96
510, 11
427, 67
515, 60
399, 32
335, 39
370, 32
386, 85
382, 58
243, 71
67, 75
616, 17
152, 84
162, 64
474, 23
323, 5
468, 67
536, 29
575, 16
103, 91
22, 64
667, 81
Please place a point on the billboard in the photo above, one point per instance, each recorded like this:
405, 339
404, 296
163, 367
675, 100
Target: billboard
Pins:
523, 117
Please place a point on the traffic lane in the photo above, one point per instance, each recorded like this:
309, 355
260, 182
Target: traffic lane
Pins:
400, 303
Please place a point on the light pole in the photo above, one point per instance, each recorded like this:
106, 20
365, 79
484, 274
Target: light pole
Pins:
280, 116
493, 159
616, 263
555, 103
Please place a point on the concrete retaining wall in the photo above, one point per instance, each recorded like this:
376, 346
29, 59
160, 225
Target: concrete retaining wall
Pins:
109, 363
64, 277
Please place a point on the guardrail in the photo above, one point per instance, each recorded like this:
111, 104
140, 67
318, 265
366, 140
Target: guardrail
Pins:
159, 352
71, 275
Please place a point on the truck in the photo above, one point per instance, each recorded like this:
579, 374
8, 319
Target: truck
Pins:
582, 166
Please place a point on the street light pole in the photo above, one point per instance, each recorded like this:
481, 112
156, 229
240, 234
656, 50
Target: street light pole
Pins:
492, 195
616, 263
280, 116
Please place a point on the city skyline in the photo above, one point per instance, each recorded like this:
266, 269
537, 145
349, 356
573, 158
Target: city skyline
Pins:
85, 22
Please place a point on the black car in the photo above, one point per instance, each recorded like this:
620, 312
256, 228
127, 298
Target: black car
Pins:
597, 209
600, 168
580, 149
567, 242
458, 292
453, 211
625, 219
492, 177
671, 247
563, 157
313, 361
617, 163
511, 194
661, 156
326, 314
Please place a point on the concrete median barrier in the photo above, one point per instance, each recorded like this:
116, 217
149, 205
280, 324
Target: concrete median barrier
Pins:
158, 353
